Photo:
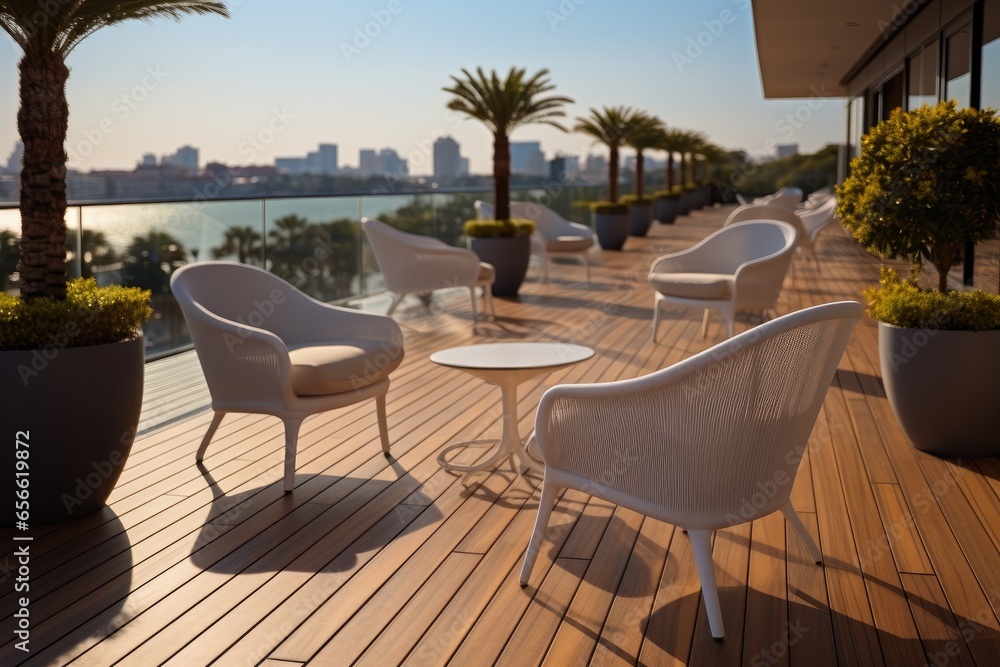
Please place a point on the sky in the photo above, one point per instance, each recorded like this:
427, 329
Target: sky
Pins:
278, 78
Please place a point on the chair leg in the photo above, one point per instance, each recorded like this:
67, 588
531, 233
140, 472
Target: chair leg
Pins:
545, 268
704, 324
807, 541
701, 542
383, 424
291, 443
545, 505
472, 293
488, 299
396, 299
216, 420
656, 316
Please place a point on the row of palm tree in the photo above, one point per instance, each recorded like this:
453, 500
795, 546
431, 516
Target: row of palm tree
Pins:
504, 104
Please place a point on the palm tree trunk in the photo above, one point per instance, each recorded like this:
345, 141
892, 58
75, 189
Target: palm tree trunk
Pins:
501, 175
639, 172
42, 121
670, 170
684, 168
613, 175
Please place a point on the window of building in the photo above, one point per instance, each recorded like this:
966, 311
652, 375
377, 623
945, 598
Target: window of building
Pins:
990, 90
958, 61
855, 124
922, 76
892, 95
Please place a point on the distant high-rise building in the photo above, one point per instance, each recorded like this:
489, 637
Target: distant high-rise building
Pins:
148, 160
389, 162
368, 161
557, 169
186, 157
290, 165
527, 158
328, 159
447, 160
786, 150
463, 166
14, 161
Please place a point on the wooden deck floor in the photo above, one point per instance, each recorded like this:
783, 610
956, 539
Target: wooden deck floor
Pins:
382, 563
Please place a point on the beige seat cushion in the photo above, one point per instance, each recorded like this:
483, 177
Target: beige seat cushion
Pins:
569, 244
487, 274
693, 285
341, 365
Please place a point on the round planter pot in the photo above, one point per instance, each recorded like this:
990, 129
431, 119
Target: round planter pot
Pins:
612, 229
509, 256
665, 210
685, 203
75, 410
943, 388
641, 219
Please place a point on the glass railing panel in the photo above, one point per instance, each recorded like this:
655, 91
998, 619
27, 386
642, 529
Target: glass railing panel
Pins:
315, 244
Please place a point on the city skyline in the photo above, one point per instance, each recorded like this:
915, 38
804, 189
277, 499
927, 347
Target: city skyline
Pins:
245, 91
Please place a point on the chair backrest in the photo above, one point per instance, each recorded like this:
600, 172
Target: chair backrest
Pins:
712, 441
239, 293
768, 212
819, 217
726, 249
484, 210
550, 224
393, 250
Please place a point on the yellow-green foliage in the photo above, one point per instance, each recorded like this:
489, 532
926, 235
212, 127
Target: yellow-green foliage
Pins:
905, 304
924, 183
495, 229
607, 207
667, 194
90, 315
634, 199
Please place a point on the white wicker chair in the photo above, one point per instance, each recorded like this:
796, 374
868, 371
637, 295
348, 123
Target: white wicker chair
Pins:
816, 218
266, 347
803, 243
414, 264
787, 197
555, 235
711, 442
737, 268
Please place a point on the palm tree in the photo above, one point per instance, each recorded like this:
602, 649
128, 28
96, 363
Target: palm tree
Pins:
646, 135
244, 242
672, 141
691, 143
502, 106
46, 33
612, 126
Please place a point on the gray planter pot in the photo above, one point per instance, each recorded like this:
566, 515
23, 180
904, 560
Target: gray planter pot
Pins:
509, 256
943, 388
612, 229
685, 203
78, 408
666, 209
641, 219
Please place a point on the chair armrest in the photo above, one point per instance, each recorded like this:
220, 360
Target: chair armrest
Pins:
246, 368
320, 322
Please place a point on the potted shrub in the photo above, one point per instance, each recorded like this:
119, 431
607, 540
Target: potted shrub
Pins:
640, 214
643, 136
74, 397
665, 206
612, 126
506, 244
612, 222
925, 182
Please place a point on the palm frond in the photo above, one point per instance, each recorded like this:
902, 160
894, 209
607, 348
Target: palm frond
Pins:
503, 104
57, 27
